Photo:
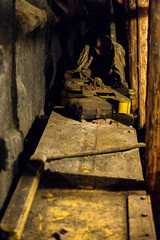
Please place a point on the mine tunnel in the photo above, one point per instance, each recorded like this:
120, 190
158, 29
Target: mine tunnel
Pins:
79, 119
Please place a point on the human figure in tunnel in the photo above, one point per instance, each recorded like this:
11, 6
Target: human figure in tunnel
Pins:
105, 59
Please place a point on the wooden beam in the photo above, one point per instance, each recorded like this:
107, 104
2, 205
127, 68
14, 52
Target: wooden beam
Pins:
153, 98
127, 18
133, 76
140, 218
109, 150
143, 6
152, 135
131, 26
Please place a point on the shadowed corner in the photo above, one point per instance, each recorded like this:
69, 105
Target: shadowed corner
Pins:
3, 155
155, 197
4, 235
79, 181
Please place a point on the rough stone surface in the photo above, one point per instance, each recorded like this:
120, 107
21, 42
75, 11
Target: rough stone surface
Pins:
29, 17
30, 61
12, 140
8, 151
23, 84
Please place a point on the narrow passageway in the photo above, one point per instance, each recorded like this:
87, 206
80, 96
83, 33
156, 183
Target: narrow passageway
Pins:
77, 134
86, 196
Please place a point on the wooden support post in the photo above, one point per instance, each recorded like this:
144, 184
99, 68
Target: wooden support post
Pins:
133, 76
127, 18
131, 26
153, 109
143, 6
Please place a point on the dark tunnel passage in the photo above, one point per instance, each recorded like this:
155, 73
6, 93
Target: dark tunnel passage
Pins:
84, 22
44, 40
42, 44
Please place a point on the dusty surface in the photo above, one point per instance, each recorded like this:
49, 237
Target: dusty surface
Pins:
140, 214
65, 135
76, 195
83, 214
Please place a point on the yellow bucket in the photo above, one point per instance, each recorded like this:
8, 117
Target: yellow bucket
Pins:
124, 107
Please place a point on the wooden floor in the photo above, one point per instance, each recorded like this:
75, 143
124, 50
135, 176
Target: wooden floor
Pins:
96, 197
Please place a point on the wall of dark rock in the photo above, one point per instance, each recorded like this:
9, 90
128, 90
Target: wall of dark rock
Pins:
29, 52
39, 41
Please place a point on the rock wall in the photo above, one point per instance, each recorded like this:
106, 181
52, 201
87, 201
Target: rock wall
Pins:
30, 79
25, 59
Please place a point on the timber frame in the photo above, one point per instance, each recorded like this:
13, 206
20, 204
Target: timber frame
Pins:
144, 72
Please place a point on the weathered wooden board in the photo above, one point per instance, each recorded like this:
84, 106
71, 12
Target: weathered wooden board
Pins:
70, 197
153, 99
87, 214
16, 214
143, 6
153, 106
119, 170
83, 214
124, 165
140, 218
64, 135
133, 76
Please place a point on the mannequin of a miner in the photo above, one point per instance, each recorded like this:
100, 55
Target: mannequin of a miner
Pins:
105, 59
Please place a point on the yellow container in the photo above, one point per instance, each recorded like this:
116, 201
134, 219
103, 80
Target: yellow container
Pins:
124, 107
132, 96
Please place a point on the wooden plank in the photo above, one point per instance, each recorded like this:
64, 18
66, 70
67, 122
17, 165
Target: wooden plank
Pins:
65, 136
140, 218
152, 134
143, 6
153, 99
15, 216
108, 171
84, 214
127, 19
104, 151
133, 76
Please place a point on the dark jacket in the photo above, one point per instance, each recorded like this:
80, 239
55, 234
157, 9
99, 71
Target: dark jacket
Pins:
116, 68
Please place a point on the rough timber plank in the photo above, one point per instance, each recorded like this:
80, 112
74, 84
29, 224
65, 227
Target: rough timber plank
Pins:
64, 135
77, 211
152, 134
15, 217
143, 6
140, 218
123, 165
84, 214
108, 171
133, 52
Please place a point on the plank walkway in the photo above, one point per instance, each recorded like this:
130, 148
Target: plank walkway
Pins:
93, 197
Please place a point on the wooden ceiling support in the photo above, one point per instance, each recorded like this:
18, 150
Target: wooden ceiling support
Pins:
153, 109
